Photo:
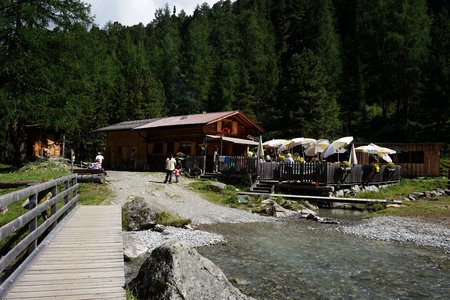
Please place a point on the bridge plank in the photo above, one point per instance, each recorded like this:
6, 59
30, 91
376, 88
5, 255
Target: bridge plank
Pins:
83, 261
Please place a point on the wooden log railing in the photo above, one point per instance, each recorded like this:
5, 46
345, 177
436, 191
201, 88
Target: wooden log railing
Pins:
69, 196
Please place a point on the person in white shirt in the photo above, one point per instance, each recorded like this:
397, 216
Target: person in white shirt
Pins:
99, 158
170, 167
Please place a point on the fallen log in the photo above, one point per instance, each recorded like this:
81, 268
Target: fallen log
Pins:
95, 178
14, 184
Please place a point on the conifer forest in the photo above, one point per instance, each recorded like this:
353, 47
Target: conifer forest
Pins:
378, 70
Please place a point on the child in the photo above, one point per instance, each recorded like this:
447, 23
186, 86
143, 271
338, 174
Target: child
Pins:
177, 173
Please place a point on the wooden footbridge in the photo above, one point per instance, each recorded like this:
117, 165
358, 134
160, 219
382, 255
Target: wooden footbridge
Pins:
81, 255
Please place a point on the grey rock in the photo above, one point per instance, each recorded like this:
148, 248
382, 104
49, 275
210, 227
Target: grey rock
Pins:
159, 228
217, 187
356, 189
177, 271
340, 194
139, 215
267, 202
412, 197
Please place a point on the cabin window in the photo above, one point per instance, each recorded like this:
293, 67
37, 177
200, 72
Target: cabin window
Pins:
227, 126
412, 157
158, 148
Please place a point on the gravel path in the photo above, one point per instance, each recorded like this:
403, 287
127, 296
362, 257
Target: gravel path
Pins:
175, 197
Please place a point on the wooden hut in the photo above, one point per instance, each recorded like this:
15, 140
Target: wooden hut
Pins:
193, 135
415, 159
43, 142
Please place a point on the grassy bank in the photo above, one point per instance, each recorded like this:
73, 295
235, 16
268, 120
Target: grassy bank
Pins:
433, 210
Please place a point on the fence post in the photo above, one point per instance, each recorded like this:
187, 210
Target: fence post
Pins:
32, 202
54, 191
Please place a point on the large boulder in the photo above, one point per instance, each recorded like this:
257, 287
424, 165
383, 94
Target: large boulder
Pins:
177, 271
139, 215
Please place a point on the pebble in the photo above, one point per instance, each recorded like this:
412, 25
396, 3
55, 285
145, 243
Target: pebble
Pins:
403, 230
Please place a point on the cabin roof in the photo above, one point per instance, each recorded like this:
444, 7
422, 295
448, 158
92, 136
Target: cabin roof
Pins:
126, 125
194, 119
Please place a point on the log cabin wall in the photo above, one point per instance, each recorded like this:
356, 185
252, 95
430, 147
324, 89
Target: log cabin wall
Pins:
118, 148
415, 159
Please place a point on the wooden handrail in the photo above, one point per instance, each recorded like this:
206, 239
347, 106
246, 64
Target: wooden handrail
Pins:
68, 195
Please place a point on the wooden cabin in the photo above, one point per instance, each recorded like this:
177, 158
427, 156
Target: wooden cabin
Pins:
42, 142
415, 159
152, 140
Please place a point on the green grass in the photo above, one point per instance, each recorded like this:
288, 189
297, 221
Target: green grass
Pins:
40, 170
405, 187
229, 195
94, 194
437, 210
167, 219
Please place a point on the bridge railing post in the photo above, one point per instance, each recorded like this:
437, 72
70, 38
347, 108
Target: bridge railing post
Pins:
32, 202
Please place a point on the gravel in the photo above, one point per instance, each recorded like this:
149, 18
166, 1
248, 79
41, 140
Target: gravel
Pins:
178, 198
175, 197
403, 230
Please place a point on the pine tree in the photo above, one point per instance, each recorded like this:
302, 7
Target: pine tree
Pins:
25, 61
394, 38
310, 110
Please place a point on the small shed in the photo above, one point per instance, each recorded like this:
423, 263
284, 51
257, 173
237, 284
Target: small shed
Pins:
42, 142
152, 140
415, 159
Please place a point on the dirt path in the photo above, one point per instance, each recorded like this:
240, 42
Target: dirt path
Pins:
175, 197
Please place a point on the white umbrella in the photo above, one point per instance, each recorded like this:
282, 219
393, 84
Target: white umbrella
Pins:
353, 160
318, 147
338, 146
382, 152
260, 151
296, 142
275, 143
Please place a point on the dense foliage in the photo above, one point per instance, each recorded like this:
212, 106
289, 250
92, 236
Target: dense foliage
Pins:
378, 70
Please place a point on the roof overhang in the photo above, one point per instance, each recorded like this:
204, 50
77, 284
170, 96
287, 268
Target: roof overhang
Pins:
231, 140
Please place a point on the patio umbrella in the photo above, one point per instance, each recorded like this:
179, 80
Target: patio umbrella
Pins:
318, 147
296, 142
353, 160
260, 151
337, 146
275, 143
382, 152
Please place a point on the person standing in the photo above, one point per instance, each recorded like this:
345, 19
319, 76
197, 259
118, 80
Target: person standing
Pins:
177, 174
133, 159
170, 167
99, 158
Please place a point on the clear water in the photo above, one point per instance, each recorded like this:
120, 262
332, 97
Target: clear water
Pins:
307, 260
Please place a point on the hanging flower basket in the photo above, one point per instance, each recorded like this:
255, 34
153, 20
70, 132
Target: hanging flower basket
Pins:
390, 167
345, 166
375, 167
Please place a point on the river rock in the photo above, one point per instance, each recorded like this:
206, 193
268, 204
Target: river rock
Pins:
395, 206
308, 214
177, 271
139, 215
217, 187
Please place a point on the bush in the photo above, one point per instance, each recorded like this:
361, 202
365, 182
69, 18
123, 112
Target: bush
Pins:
167, 219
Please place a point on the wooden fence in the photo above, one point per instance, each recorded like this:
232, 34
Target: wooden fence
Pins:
29, 220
